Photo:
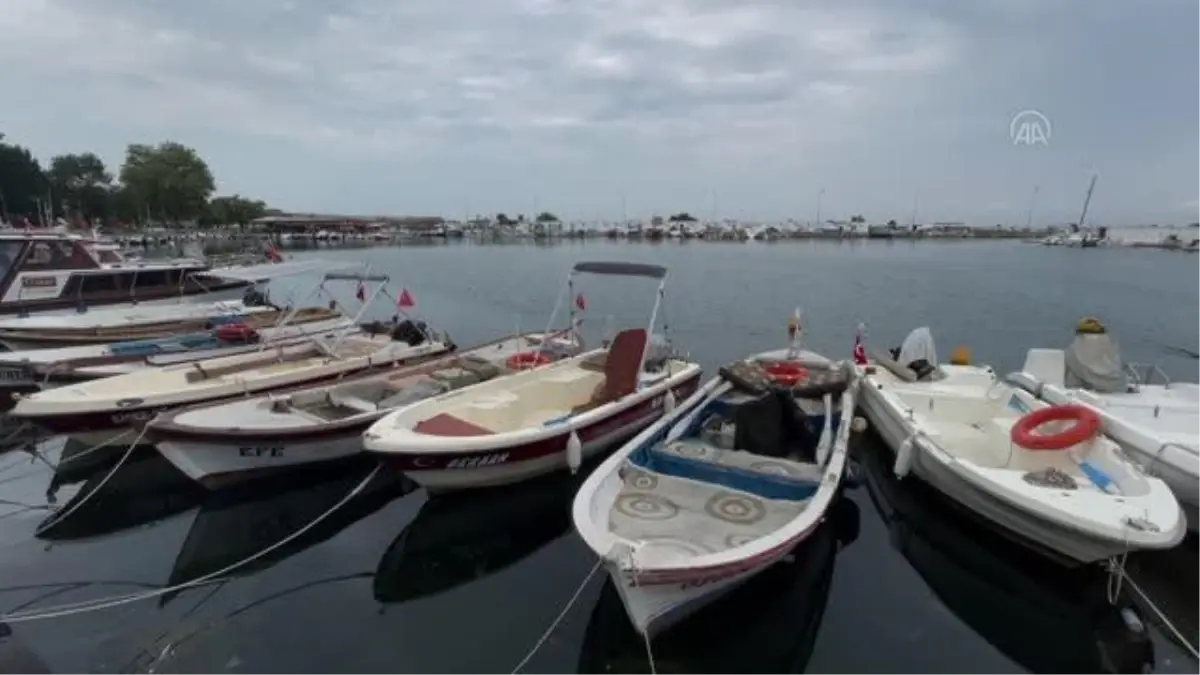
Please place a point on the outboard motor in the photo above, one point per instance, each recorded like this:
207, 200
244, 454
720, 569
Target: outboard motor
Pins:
1093, 361
410, 332
253, 297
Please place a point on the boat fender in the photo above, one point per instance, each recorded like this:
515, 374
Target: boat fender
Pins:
904, 457
858, 424
669, 402
574, 453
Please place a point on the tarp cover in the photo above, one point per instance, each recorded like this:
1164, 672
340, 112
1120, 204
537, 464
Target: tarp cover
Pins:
918, 345
1094, 362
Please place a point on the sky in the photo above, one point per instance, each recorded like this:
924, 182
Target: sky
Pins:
593, 109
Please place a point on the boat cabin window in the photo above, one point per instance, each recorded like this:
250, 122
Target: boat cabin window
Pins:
56, 255
9, 250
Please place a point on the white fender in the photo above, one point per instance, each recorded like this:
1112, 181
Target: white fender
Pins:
574, 453
904, 457
669, 402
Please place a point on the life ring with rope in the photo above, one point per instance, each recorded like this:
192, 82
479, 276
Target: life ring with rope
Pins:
785, 373
527, 360
1085, 425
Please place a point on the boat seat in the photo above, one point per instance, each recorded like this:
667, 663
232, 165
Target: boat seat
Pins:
444, 424
455, 377
697, 460
621, 366
891, 365
352, 402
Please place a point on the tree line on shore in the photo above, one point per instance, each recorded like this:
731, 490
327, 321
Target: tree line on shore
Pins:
164, 183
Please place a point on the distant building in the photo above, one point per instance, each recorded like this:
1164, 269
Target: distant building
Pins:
311, 222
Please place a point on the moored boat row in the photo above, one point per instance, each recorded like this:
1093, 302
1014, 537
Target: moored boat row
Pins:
713, 482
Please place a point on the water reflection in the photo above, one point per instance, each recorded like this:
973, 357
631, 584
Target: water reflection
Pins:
457, 539
1045, 617
767, 626
240, 523
115, 495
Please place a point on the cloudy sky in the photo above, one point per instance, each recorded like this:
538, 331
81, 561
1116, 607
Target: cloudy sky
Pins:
745, 108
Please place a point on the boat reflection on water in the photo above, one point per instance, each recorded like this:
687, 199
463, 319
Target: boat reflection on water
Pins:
1047, 618
456, 539
143, 489
236, 523
767, 626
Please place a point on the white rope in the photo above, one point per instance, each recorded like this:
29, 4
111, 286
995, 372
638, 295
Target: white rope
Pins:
1161, 616
550, 631
58, 517
649, 654
106, 603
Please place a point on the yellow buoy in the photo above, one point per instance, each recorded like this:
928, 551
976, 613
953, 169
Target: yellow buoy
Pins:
1090, 325
961, 356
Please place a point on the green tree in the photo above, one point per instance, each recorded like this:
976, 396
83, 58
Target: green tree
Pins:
547, 217
891, 223
81, 185
857, 219
233, 210
169, 180
22, 182
682, 217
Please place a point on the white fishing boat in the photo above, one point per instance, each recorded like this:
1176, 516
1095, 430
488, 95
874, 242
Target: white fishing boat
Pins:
107, 325
721, 488
1155, 423
33, 370
101, 410
1068, 493
544, 419
238, 439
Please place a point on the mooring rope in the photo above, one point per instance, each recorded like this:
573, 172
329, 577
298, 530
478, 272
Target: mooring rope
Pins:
60, 516
1118, 569
107, 603
561, 615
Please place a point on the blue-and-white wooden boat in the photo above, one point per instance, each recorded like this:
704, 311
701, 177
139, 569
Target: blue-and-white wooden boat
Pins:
722, 487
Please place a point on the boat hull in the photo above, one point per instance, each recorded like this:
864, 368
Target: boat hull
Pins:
112, 425
215, 465
503, 465
1064, 544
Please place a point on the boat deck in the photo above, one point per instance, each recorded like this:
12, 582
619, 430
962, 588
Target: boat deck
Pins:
673, 516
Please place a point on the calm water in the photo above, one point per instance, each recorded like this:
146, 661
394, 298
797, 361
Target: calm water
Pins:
897, 580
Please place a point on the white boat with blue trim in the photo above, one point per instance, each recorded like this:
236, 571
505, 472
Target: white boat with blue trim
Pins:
722, 487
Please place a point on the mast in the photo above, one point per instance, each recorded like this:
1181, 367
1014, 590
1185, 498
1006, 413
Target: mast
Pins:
1087, 200
1032, 201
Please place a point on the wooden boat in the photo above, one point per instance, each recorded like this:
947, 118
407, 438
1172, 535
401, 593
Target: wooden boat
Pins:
540, 420
721, 488
770, 625
257, 318
241, 438
1071, 494
102, 410
115, 325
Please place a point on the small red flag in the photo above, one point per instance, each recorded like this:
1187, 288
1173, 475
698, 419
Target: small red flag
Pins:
580, 303
406, 300
361, 293
274, 255
860, 351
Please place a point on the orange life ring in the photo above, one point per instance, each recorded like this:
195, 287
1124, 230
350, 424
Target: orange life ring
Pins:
785, 373
1086, 424
527, 360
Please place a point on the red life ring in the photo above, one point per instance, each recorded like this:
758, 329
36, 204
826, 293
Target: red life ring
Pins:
236, 332
785, 373
527, 360
1086, 424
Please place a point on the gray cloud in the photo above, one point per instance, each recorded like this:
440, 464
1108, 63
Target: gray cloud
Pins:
424, 105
